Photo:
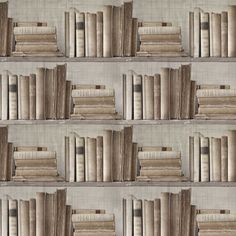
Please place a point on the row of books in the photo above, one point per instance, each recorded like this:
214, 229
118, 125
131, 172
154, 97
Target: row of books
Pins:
159, 164
212, 34
168, 95
6, 29
44, 95
93, 102
218, 103
109, 157
212, 159
107, 33
93, 222
47, 214
159, 39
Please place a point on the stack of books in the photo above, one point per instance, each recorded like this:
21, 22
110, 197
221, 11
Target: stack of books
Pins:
172, 214
6, 29
47, 214
218, 103
93, 222
159, 39
6, 156
106, 158
93, 102
216, 224
212, 34
35, 164
108, 33
159, 164
168, 95
35, 39
212, 159
44, 95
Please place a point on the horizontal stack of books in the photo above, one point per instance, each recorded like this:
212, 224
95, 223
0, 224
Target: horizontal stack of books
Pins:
93, 102
159, 39
213, 159
6, 29
35, 39
159, 164
172, 214
110, 157
6, 156
168, 95
35, 164
216, 224
108, 33
212, 34
44, 95
218, 103
47, 214
93, 222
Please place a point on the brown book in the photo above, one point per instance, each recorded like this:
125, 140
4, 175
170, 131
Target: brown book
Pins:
10, 164
68, 100
154, 148
117, 32
193, 105
9, 36
193, 221
128, 138
3, 153
94, 101
161, 48
175, 216
134, 161
61, 91
100, 34
39, 172
157, 217
86, 116
29, 148
32, 97
37, 54
162, 163
128, 10
3, 28
33, 178
68, 226
40, 213
36, 162
28, 48
50, 94
224, 158
40, 93
165, 38
134, 40
231, 156
32, 217
99, 155
165, 213
157, 97
50, 38
29, 24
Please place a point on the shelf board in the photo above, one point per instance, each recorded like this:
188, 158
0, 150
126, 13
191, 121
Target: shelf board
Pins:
117, 122
116, 59
117, 184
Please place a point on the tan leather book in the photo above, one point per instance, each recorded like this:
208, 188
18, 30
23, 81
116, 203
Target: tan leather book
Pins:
32, 217
224, 158
40, 213
92, 35
157, 96
36, 38
24, 218
99, 34
224, 34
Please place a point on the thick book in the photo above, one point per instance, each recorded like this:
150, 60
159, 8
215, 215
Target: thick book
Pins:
137, 97
224, 158
117, 155
3, 28
80, 34
231, 156
231, 31
216, 34
99, 34
117, 32
204, 159
205, 34
13, 226
224, 34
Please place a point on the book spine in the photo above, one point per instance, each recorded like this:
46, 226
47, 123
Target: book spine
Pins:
72, 32
9, 36
149, 100
191, 158
80, 159
137, 217
116, 33
40, 213
134, 39
231, 31
205, 167
99, 155
92, 164
191, 34
128, 140
224, 158
99, 34
165, 214
107, 155
205, 41
107, 31
5, 211
24, 97
129, 217
216, 149
68, 101
196, 35
10, 164
134, 164
92, 35
157, 217
68, 229
80, 34
67, 158
231, 156
12, 97
32, 97
40, 93
216, 35
137, 96
224, 34
128, 95
5, 78
67, 34
32, 217
13, 218
165, 93
72, 158
193, 100
157, 97
196, 164
24, 216
193, 224
149, 218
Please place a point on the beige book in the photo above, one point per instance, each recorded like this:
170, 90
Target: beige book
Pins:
137, 217
117, 156
191, 33
79, 159
72, 156
94, 110
68, 224
36, 178
213, 211
217, 100
91, 162
72, 32
40, 213
160, 48
67, 33
149, 97
29, 24
32, 97
107, 31
161, 178
92, 217
149, 217
36, 168
13, 97
94, 234
231, 31
117, 31
216, 93
216, 217
157, 217
205, 159
217, 110
165, 93
193, 223
224, 34
216, 149
153, 155
231, 156
32, 217
154, 148
24, 217
19, 155
170, 38
175, 217
37, 54
94, 101
205, 34
68, 103
88, 86
80, 34
160, 172
29, 148
95, 116
157, 96
196, 33
213, 86
137, 97
107, 155
13, 226
50, 216
5, 84
134, 169
92, 35
10, 166
215, 116
161, 54
34, 30
128, 95
216, 34
165, 214
33, 172
40, 93
159, 30
36, 48
196, 157
99, 158
94, 225
24, 87
134, 39
224, 158
193, 100
217, 226
4, 152
161, 163
93, 92
99, 34
88, 211
155, 23
36, 38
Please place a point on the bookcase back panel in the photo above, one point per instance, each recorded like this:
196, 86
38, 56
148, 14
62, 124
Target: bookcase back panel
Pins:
110, 199
175, 11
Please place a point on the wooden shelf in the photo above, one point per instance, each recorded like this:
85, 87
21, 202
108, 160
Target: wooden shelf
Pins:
117, 184
117, 122
116, 59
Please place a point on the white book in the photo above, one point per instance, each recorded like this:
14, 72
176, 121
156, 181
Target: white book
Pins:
159, 30
216, 92
13, 97
34, 30
93, 93
21, 155
92, 217
72, 32
158, 155
196, 159
196, 34
80, 159
5, 216
129, 217
215, 217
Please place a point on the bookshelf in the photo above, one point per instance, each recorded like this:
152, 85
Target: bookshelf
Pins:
109, 71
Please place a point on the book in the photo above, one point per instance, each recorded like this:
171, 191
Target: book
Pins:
205, 159
32, 216
196, 33
205, 33
137, 96
224, 34
231, 160
99, 34
13, 229
216, 34
137, 217
92, 35
3, 28
231, 31
80, 34
12, 97
224, 158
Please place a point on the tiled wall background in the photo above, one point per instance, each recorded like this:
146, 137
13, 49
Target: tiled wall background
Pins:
176, 11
